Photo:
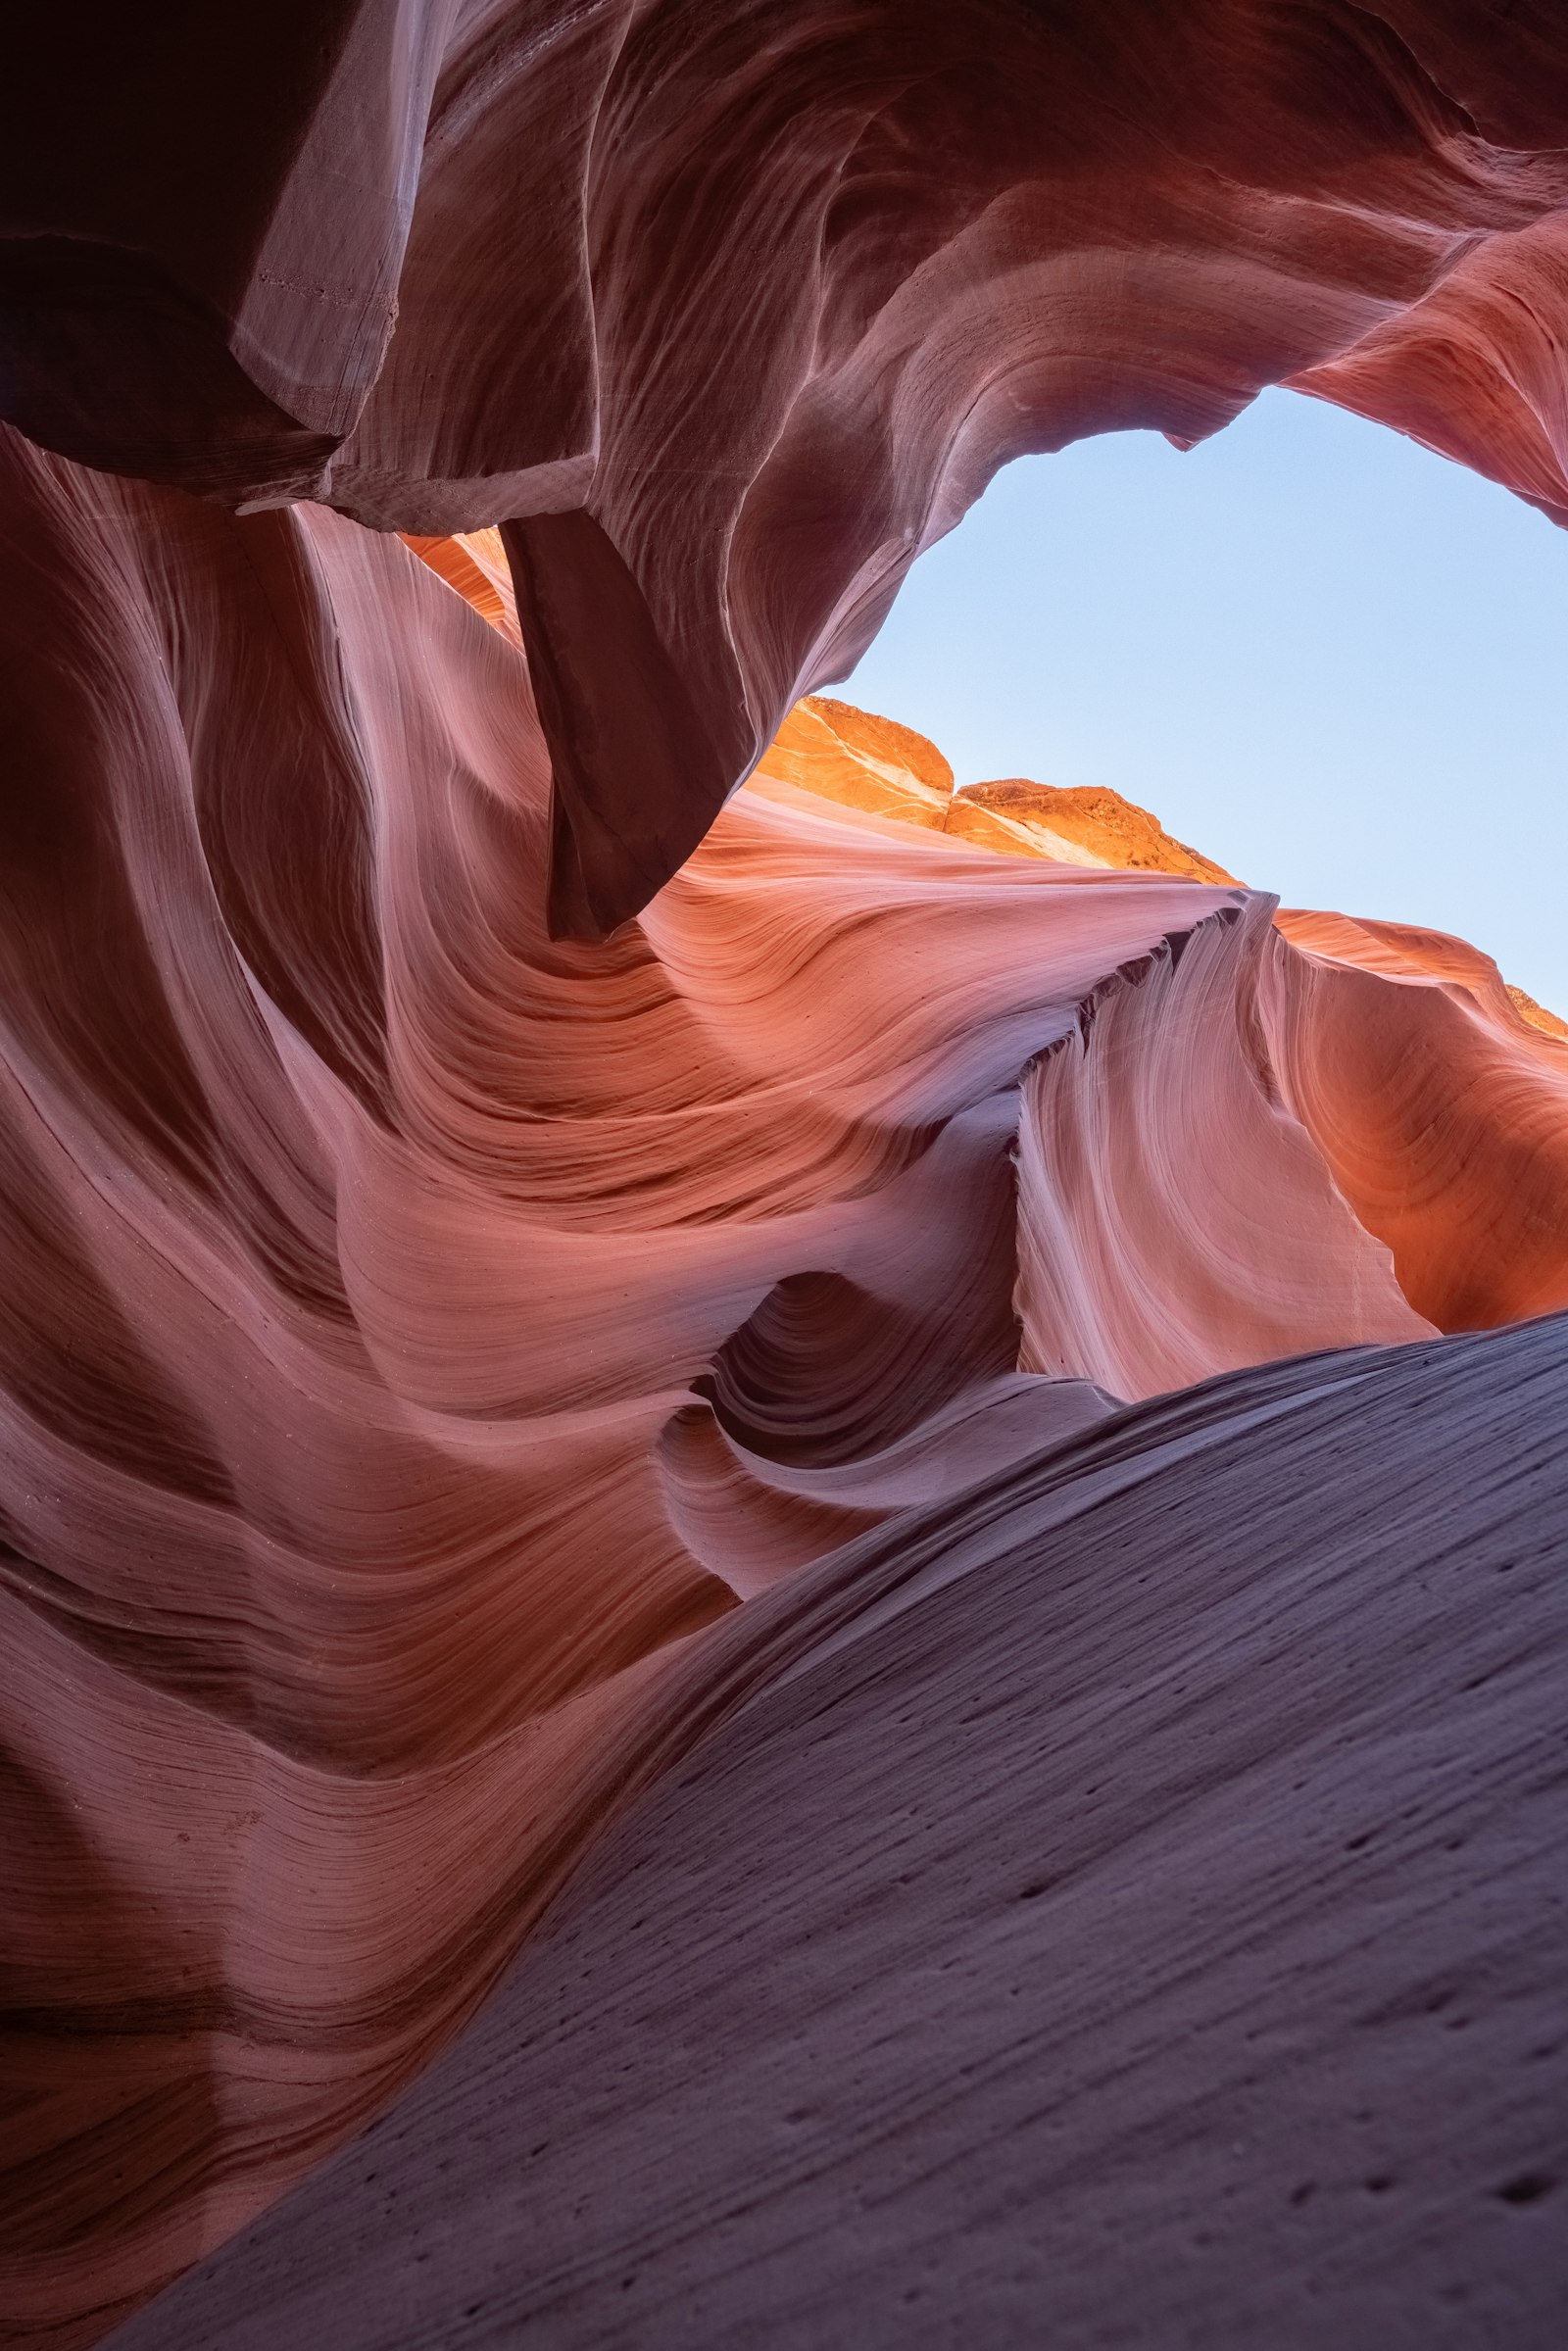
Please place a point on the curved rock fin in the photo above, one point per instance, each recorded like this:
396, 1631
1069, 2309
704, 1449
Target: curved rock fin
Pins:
637, 778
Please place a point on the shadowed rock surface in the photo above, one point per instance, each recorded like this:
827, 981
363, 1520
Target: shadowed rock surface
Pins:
730, 310
1128, 1908
531, 1269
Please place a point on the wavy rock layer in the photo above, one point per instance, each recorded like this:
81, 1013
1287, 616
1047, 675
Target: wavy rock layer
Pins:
1123, 1905
724, 312
420, 1331
415, 1327
444, 1313
1366, 1082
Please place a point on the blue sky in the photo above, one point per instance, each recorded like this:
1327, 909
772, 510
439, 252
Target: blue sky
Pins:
1332, 660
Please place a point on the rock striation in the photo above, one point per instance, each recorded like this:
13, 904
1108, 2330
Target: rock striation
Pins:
1366, 1088
953, 1453
839, 753
424, 1329
724, 315
1123, 1905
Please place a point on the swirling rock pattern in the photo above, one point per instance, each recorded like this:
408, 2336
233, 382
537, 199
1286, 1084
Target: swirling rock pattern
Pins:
371, 1255
725, 311
424, 1329
1123, 1905
516, 1250
1432, 1107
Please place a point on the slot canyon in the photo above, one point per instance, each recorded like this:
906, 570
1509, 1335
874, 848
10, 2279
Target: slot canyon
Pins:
783, 1551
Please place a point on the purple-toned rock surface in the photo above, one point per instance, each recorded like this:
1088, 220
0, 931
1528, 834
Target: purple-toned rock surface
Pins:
1126, 1908
561, 1315
731, 309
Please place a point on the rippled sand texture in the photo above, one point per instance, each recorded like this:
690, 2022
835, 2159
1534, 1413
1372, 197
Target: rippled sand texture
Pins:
515, 1248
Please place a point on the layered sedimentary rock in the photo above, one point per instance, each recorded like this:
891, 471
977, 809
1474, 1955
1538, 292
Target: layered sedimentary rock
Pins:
1432, 1076
415, 1327
422, 1330
1122, 1906
520, 1256
725, 311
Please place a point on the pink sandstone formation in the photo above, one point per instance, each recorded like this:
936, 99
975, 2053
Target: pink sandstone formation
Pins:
764, 1579
1124, 1905
723, 312
867, 1166
1364, 1085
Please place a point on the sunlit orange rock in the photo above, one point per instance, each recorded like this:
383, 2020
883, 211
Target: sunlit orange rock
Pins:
1084, 823
1535, 1015
837, 752
862, 761
476, 566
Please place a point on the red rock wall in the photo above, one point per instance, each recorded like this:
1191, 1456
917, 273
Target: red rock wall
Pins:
419, 1329
447, 1271
730, 311
365, 1249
